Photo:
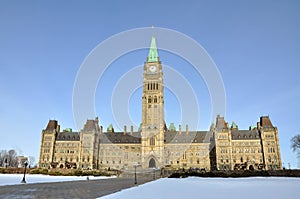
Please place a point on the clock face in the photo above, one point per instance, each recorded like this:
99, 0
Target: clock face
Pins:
152, 68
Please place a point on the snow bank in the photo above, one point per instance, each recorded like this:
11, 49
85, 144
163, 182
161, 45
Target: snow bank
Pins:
233, 188
10, 179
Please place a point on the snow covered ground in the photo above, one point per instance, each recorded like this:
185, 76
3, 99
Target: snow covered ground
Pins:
194, 187
10, 179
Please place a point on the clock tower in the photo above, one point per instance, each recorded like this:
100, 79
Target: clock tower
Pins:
153, 111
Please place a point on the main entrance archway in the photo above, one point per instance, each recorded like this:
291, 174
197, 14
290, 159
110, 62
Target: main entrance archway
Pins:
152, 163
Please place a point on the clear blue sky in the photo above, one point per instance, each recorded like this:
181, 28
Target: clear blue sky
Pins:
255, 45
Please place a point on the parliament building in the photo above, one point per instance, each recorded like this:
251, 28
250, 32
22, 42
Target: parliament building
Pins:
154, 145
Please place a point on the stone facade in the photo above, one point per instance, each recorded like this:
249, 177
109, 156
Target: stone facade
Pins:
254, 149
156, 146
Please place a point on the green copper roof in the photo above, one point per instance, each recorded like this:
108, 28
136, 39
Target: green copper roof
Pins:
233, 125
252, 127
110, 128
153, 54
172, 127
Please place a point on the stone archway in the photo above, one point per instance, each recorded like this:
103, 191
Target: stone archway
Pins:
251, 168
152, 163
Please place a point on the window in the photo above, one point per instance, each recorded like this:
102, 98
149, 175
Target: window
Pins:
152, 141
269, 159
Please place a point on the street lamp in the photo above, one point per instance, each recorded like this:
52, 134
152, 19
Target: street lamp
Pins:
135, 178
153, 173
23, 180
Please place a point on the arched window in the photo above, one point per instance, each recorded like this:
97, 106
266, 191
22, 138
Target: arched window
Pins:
149, 99
152, 141
155, 99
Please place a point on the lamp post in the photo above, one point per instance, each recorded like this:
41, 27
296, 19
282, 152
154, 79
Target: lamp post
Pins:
135, 177
23, 180
135, 180
153, 173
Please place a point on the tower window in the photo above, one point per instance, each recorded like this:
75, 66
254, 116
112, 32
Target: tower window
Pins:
152, 141
149, 100
155, 99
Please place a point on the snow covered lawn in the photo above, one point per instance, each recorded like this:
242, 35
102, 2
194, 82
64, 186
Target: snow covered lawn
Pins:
194, 187
10, 179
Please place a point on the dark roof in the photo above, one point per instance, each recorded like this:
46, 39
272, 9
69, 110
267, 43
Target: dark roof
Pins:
170, 137
265, 121
68, 136
190, 137
221, 123
91, 125
120, 137
245, 134
52, 125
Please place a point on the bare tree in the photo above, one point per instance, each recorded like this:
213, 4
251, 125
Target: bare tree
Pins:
12, 158
31, 161
3, 156
8, 158
295, 145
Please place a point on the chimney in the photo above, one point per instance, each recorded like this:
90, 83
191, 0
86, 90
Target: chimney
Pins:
187, 129
131, 130
125, 129
179, 129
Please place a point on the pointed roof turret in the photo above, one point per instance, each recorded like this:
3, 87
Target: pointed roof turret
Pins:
153, 54
110, 128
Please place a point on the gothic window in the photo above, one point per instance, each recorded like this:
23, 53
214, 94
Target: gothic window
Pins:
148, 86
269, 158
156, 86
155, 99
242, 159
152, 141
149, 99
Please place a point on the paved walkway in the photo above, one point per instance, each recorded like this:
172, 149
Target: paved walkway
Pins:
72, 189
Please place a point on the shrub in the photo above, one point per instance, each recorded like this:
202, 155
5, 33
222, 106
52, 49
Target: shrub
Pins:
34, 171
44, 171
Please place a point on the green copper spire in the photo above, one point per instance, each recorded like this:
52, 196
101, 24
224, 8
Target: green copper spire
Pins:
172, 127
153, 55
